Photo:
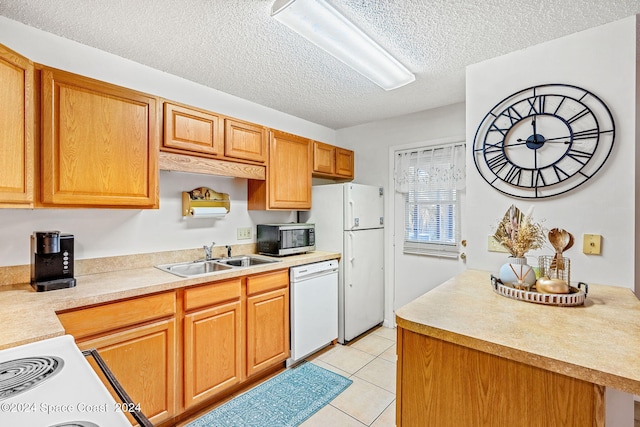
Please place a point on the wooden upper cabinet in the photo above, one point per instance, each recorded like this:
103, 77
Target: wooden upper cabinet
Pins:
100, 143
344, 162
191, 129
17, 130
246, 141
324, 158
288, 184
332, 162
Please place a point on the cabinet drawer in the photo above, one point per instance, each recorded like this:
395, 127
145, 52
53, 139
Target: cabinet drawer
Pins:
267, 282
211, 294
90, 321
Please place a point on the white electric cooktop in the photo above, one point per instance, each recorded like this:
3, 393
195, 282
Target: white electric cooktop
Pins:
51, 384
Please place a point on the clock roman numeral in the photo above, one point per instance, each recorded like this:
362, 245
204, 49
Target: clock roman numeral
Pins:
579, 156
539, 178
560, 173
491, 148
579, 115
537, 104
498, 162
513, 175
495, 127
589, 133
555, 113
512, 114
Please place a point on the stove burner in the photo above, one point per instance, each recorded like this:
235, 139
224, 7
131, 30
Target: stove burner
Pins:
76, 424
20, 375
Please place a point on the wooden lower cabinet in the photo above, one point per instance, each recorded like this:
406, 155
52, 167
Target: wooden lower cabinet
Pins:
212, 352
212, 336
267, 320
143, 360
137, 340
213, 340
267, 329
444, 384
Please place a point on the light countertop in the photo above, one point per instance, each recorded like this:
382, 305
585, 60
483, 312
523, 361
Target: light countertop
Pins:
27, 315
598, 342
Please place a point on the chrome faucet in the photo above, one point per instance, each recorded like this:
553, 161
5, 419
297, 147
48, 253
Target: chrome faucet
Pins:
208, 250
228, 251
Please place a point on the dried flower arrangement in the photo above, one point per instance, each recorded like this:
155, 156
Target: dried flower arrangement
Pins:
518, 233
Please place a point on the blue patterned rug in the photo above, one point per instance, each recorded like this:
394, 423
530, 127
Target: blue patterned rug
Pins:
285, 400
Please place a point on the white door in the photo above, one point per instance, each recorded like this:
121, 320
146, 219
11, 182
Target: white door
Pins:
363, 281
363, 207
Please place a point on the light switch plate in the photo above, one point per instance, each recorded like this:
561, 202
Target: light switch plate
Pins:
592, 244
244, 233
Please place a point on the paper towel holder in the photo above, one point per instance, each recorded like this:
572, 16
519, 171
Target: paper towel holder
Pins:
203, 202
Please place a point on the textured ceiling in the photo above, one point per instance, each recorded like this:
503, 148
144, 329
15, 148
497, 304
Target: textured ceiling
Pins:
234, 46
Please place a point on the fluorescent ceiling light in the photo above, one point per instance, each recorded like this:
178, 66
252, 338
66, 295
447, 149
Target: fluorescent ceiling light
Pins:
321, 24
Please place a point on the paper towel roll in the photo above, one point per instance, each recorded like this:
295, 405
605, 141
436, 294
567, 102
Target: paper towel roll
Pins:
215, 212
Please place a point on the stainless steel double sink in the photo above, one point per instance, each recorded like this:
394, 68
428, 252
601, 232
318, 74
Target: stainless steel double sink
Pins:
205, 267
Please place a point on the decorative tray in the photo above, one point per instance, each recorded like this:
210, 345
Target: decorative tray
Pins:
575, 297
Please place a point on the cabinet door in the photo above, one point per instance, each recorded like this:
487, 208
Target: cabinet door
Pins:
212, 351
288, 184
324, 158
245, 141
17, 125
99, 143
344, 162
267, 329
192, 130
143, 361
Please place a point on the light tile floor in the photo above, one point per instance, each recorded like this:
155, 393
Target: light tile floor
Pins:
370, 361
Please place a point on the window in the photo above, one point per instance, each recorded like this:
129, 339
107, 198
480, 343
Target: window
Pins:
431, 179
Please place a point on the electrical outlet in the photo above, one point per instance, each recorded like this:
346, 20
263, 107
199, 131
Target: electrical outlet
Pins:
244, 233
494, 246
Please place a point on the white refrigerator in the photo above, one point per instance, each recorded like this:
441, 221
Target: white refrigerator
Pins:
349, 219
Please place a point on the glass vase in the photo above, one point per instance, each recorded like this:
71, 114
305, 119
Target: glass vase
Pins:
555, 267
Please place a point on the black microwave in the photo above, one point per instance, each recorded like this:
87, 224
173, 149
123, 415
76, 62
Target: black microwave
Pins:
286, 239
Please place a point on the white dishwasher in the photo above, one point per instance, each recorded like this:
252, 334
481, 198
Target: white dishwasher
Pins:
313, 308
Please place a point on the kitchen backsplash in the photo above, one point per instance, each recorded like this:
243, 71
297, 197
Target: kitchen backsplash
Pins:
20, 274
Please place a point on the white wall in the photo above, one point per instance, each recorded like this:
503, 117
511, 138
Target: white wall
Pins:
406, 276
111, 232
601, 60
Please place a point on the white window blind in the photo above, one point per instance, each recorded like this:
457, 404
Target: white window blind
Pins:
430, 179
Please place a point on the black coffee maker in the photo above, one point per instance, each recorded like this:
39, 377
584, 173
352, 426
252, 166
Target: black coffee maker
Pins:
51, 261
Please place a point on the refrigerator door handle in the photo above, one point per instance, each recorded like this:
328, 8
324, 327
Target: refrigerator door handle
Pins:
352, 221
351, 258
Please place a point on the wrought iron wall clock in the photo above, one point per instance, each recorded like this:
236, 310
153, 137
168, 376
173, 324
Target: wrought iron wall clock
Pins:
543, 141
